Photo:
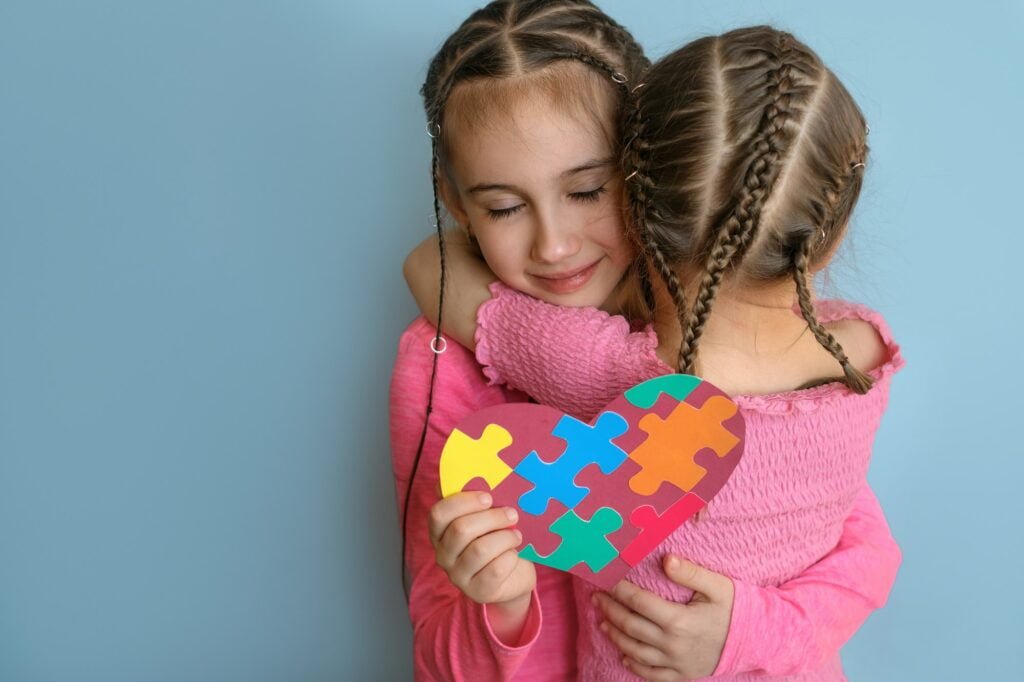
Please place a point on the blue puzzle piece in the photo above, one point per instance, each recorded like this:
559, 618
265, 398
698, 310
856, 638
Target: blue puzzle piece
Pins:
585, 445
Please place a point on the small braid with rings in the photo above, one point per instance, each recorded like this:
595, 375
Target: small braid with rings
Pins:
508, 39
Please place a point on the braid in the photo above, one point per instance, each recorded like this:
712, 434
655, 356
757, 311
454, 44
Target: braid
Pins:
771, 142
639, 184
858, 381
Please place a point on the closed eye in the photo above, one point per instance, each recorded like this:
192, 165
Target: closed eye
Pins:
589, 196
499, 213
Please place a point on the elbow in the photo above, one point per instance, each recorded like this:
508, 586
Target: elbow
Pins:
409, 267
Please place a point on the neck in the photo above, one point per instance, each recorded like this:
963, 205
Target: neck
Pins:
752, 320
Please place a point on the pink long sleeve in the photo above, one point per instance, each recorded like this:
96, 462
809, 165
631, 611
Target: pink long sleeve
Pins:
452, 638
799, 625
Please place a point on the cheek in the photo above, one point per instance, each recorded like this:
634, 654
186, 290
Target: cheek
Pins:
499, 249
610, 232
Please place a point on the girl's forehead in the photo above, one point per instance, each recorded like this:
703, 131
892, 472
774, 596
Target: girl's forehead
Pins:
535, 139
569, 88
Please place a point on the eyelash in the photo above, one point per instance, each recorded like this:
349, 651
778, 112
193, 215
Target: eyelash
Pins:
583, 197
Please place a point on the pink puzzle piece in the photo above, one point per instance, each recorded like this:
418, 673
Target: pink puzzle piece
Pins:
656, 528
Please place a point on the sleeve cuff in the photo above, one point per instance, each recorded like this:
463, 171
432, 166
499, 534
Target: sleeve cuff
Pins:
743, 606
530, 631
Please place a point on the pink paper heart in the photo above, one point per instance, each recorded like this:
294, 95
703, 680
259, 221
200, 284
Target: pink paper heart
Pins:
595, 499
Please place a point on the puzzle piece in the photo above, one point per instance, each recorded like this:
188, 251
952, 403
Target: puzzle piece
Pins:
612, 490
535, 529
655, 527
676, 385
465, 458
668, 455
582, 541
585, 444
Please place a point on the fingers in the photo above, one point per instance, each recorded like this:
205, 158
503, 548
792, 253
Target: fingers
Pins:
458, 521
635, 649
496, 571
699, 579
483, 559
653, 673
647, 604
631, 624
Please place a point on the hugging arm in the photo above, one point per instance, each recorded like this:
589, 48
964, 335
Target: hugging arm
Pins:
579, 359
467, 276
800, 625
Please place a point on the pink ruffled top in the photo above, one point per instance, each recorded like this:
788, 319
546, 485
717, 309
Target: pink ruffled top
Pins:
805, 459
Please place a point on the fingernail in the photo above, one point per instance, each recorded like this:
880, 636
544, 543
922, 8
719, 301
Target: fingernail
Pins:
519, 537
673, 562
485, 499
511, 514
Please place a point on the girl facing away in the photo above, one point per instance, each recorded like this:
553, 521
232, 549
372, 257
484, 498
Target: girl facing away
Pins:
794, 553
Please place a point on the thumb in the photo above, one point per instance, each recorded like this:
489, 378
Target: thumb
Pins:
697, 578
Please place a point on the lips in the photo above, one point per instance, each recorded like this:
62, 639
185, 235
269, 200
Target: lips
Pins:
569, 281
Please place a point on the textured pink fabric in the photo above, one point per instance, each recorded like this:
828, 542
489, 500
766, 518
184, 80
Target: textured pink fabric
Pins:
796, 527
452, 639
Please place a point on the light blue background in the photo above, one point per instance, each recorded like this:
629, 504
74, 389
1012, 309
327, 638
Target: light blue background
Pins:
203, 212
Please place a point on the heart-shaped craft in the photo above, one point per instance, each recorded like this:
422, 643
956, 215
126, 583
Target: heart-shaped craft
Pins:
594, 499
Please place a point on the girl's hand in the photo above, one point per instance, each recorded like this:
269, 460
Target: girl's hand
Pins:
476, 547
665, 640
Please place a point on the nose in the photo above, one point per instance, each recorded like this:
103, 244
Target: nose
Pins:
555, 240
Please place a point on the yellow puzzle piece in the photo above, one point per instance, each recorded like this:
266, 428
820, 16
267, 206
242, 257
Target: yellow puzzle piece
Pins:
465, 458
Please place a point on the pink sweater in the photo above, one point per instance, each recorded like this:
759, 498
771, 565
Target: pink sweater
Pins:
809, 561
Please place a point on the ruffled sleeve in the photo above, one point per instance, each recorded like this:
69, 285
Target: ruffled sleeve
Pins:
574, 359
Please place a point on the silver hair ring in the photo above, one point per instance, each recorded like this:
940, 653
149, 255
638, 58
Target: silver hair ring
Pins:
619, 78
433, 130
433, 344
859, 164
638, 87
632, 175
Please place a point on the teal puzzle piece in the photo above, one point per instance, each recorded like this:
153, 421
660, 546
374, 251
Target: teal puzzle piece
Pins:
676, 385
582, 541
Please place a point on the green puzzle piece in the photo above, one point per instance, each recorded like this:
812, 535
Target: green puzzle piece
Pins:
676, 385
582, 541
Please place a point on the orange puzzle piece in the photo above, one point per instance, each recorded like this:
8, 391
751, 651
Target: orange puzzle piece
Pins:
667, 456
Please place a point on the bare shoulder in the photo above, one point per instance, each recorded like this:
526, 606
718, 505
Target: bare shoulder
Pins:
861, 342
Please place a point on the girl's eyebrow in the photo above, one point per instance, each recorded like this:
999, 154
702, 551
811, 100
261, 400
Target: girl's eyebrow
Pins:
589, 165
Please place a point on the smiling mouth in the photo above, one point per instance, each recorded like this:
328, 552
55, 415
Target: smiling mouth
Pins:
567, 282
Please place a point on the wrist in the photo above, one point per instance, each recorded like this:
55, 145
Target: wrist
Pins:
508, 618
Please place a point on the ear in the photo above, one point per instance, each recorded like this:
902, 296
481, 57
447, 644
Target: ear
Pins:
449, 195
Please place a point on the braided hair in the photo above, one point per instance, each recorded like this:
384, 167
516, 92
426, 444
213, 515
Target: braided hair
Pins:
747, 156
509, 39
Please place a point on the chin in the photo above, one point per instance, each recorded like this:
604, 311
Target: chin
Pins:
584, 298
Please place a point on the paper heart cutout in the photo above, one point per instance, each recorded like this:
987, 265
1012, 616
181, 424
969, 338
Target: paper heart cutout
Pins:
595, 499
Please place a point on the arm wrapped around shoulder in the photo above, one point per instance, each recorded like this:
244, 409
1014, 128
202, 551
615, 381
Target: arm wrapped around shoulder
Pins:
573, 359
